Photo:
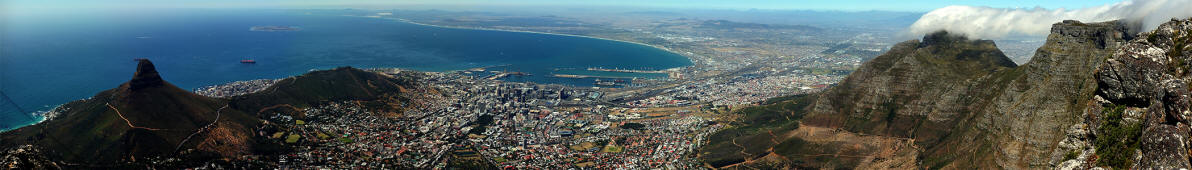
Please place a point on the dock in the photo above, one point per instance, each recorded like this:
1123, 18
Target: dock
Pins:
501, 74
480, 69
588, 76
625, 70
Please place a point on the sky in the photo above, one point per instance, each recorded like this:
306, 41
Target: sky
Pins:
842, 5
990, 22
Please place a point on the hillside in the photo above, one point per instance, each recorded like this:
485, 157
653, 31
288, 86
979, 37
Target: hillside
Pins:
923, 102
150, 122
145, 117
319, 87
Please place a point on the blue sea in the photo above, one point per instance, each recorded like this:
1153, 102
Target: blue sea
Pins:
54, 58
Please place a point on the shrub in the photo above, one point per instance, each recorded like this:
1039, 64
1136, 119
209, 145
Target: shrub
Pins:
1116, 139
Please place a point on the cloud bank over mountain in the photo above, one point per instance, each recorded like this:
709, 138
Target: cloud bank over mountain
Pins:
993, 23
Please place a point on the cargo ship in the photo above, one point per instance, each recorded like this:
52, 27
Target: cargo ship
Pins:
248, 61
604, 83
274, 28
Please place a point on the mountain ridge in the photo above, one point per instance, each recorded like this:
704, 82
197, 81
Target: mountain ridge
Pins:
926, 100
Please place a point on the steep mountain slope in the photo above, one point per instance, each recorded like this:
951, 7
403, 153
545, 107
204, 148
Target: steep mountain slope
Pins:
145, 117
1027, 120
909, 90
926, 102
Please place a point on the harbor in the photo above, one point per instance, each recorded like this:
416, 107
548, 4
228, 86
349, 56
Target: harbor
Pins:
503, 74
576, 76
626, 70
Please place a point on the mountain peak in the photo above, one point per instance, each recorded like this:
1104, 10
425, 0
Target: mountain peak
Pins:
146, 76
942, 37
953, 48
1099, 31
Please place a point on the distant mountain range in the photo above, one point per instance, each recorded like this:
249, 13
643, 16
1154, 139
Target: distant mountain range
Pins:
1092, 96
725, 24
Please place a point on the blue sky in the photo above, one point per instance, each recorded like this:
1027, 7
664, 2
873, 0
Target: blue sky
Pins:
846, 5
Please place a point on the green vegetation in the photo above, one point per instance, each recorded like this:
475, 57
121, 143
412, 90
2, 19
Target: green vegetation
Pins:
323, 136
1116, 139
317, 87
1177, 49
94, 131
634, 126
779, 99
293, 138
583, 146
752, 134
794, 146
892, 111
1072, 155
613, 149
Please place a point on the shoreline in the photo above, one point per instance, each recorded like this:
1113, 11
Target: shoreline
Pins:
41, 116
535, 32
689, 58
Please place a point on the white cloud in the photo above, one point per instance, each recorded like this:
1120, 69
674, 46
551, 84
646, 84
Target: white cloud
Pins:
992, 23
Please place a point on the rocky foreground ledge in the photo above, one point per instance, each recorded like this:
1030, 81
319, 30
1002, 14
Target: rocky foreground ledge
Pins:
1140, 116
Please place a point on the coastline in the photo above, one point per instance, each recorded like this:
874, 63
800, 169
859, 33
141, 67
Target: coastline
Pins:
41, 116
44, 115
689, 58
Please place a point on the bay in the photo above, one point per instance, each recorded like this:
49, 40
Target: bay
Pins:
51, 59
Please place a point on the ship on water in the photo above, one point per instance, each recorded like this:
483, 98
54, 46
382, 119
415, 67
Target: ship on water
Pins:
274, 28
248, 61
604, 83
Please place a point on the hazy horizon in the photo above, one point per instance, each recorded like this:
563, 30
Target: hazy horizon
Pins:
843, 5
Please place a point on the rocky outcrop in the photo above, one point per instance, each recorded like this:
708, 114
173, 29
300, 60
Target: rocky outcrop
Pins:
1149, 74
1150, 69
146, 76
26, 156
1165, 147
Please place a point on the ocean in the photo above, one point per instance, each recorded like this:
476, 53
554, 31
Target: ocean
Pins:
51, 59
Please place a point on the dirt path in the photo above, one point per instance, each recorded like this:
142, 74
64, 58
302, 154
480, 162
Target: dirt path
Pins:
277, 106
127, 121
218, 113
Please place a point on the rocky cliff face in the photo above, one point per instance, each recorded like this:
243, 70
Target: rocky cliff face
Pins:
1026, 121
1141, 106
961, 103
